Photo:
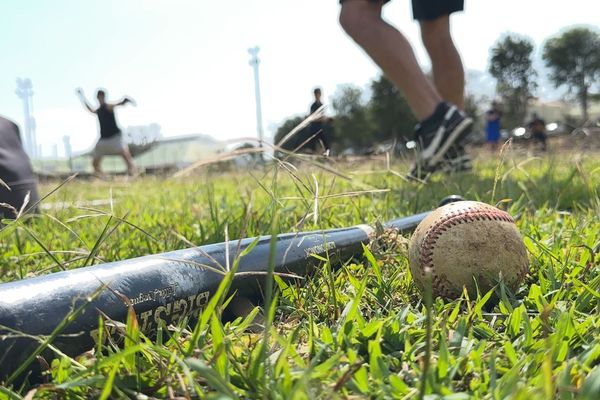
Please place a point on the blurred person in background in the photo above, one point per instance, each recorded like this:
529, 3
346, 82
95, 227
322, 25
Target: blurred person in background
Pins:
537, 127
317, 127
111, 141
492, 126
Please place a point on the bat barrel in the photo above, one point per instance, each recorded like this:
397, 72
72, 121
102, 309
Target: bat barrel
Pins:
406, 224
162, 288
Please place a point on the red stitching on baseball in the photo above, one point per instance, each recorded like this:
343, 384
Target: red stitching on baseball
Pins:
446, 222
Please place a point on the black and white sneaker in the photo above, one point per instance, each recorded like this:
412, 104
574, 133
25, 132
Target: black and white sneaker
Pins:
435, 136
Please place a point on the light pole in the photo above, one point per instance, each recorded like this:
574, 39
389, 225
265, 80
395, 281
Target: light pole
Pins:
25, 93
254, 63
68, 151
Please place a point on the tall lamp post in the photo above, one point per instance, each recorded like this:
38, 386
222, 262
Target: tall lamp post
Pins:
68, 151
25, 93
254, 63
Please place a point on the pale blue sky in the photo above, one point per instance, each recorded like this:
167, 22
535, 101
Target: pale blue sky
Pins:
186, 61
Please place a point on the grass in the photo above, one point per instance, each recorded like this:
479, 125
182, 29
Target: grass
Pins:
361, 330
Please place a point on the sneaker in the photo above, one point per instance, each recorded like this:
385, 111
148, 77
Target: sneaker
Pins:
421, 172
326, 153
435, 136
457, 159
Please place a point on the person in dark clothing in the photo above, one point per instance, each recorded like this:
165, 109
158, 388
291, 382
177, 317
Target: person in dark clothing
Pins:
111, 139
16, 173
437, 105
317, 127
537, 127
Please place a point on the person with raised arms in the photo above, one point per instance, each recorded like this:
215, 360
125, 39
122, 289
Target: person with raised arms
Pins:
111, 138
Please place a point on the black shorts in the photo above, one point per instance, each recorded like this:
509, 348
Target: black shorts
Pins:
424, 10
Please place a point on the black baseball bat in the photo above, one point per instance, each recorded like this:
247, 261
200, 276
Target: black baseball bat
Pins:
162, 288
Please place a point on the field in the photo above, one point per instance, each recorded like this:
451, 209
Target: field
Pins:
359, 330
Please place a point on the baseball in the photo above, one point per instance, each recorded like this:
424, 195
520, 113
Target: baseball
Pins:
467, 244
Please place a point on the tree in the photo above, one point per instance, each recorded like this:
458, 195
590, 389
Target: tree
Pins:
574, 61
353, 126
512, 67
390, 112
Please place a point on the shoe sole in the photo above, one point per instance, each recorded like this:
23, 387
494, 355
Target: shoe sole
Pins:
457, 134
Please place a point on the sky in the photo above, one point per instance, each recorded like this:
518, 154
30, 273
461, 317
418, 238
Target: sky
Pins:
186, 62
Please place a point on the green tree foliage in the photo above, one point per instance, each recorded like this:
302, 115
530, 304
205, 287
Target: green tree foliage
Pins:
512, 67
574, 61
391, 114
353, 125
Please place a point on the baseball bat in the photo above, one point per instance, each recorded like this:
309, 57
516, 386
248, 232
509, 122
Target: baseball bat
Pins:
163, 288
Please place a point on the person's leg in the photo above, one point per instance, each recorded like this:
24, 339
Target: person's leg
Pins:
324, 142
442, 124
447, 68
128, 160
96, 164
491, 138
312, 138
541, 138
448, 71
362, 20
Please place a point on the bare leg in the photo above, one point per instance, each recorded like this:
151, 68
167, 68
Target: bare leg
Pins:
448, 72
128, 160
96, 164
362, 20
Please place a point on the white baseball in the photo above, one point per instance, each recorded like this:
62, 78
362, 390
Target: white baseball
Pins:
467, 244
